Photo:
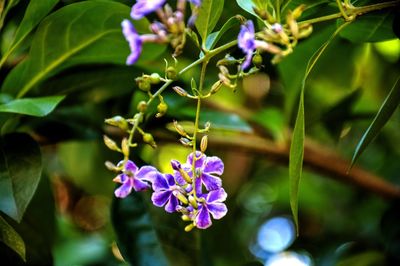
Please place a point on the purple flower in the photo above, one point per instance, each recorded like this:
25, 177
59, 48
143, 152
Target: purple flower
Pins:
247, 42
133, 177
164, 193
144, 7
195, 2
212, 204
207, 170
134, 40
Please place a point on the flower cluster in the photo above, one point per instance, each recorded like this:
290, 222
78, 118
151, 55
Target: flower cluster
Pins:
169, 29
194, 189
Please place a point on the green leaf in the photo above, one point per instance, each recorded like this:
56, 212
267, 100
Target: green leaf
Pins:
371, 27
297, 145
80, 33
292, 4
247, 5
40, 106
214, 37
386, 110
11, 238
209, 13
136, 236
20, 171
35, 12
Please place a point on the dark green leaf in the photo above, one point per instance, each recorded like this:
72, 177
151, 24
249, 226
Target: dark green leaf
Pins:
81, 33
297, 145
11, 238
371, 27
209, 13
41, 106
385, 112
214, 37
35, 12
136, 235
20, 171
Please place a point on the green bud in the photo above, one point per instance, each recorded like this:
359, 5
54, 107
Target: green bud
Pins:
117, 121
110, 144
155, 78
110, 166
215, 87
189, 227
185, 176
179, 129
143, 84
148, 138
142, 106
257, 60
125, 147
186, 142
186, 218
180, 91
171, 73
162, 108
180, 196
305, 31
204, 143
193, 202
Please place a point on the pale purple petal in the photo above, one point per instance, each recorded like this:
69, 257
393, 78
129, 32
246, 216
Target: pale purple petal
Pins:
171, 204
203, 219
134, 40
139, 185
124, 190
200, 158
211, 182
147, 172
246, 37
179, 179
159, 198
217, 210
247, 61
130, 166
214, 165
144, 7
195, 2
218, 195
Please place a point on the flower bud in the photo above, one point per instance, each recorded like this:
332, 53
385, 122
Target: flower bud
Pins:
203, 143
125, 147
142, 106
148, 138
143, 84
298, 11
215, 87
186, 142
185, 176
171, 73
189, 227
175, 165
155, 78
257, 60
110, 144
193, 201
186, 218
110, 166
180, 197
180, 91
294, 28
117, 121
162, 108
305, 31
207, 126
181, 131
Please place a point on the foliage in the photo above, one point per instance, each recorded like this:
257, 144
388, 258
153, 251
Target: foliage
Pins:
321, 91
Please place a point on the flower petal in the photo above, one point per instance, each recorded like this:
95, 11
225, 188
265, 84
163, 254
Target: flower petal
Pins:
159, 183
171, 204
211, 182
214, 165
144, 7
124, 190
203, 219
200, 158
130, 166
159, 198
218, 195
170, 179
217, 210
147, 173
139, 185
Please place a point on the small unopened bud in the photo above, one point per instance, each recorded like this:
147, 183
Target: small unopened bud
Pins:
112, 167
185, 176
193, 201
125, 147
148, 138
305, 31
176, 165
110, 144
203, 143
181, 131
189, 227
180, 197
186, 218
143, 84
294, 28
186, 142
298, 11
117, 121
162, 108
216, 86
142, 106
224, 70
257, 60
171, 73
155, 78
180, 91
207, 125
